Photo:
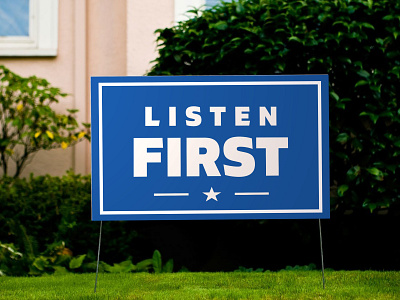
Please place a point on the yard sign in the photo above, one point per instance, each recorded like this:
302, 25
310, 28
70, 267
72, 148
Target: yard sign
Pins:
210, 147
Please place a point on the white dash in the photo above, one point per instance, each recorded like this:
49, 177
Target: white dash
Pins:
252, 194
170, 194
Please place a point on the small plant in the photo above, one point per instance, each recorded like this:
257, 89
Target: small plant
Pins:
56, 258
127, 266
152, 264
249, 270
309, 267
9, 256
159, 267
29, 124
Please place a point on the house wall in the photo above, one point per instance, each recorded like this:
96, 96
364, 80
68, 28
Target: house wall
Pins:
143, 18
95, 38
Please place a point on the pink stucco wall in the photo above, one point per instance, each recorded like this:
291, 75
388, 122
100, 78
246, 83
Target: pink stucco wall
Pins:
95, 38
144, 17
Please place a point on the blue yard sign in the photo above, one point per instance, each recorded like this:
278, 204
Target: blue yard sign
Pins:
210, 147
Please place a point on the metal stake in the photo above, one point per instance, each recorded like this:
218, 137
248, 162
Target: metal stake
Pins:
98, 257
322, 254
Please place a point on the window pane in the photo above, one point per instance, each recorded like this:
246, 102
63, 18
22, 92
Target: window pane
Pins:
210, 3
14, 17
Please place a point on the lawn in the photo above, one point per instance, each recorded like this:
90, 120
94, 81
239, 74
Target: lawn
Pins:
267, 285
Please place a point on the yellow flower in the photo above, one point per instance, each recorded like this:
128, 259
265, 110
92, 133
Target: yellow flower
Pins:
37, 134
49, 134
81, 134
64, 145
20, 107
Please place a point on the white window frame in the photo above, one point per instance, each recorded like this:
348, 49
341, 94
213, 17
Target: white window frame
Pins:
43, 32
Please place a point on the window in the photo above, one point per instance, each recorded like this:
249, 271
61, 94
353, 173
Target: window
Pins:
28, 27
182, 6
210, 3
14, 16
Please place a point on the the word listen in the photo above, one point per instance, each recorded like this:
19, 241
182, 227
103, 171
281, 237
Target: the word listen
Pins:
205, 151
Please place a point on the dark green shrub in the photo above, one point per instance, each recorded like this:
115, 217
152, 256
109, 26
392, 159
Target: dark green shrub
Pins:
356, 42
39, 213
40, 210
10, 260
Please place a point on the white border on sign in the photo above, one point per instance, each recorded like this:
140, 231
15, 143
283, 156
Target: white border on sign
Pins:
194, 212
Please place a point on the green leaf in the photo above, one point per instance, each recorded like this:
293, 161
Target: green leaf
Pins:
369, 205
374, 118
342, 138
123, 267
295, 38
178, 58
239, 8
169, 266
342, 155
334, 95
144, 265
367, 25
16, 122
360, 83
386, 114
342, 189
356, 144
340, 105
388, 17
375, 171
353, 172
76, 262
221, 25
397, 143
59, 270
363, 73
40, 263
157, 263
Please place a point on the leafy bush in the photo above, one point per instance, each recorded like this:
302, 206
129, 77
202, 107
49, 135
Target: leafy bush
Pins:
28, 123
42, 214
9, 259
356, 42
58, 259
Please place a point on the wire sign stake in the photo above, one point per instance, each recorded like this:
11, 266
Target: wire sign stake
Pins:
322, 254
98, 257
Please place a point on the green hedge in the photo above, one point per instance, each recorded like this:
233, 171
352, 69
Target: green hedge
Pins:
356, 42
40, 210
43, 213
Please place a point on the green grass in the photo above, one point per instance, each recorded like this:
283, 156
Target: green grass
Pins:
268, 285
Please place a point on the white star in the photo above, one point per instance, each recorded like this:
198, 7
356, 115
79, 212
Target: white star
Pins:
211, 194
